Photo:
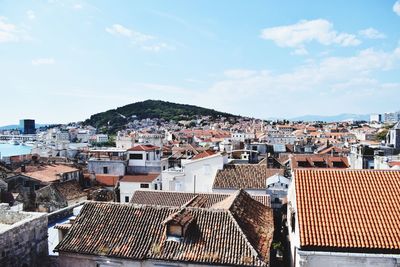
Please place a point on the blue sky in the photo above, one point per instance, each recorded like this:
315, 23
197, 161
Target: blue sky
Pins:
62, 61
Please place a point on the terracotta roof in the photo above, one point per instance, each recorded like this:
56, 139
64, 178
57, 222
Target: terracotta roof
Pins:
348, 210
204, 154
69, 189
318, 161
107, 179
239, 235
47, 173
244, 176
140, 178
177, 199
143, 148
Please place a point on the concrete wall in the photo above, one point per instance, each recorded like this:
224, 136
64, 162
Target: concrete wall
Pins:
115, 167
23, 243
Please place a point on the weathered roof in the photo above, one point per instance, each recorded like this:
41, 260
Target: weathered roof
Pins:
177, 199
47, 173
244, 176
69, 189
240, 235
140, 178
348, 210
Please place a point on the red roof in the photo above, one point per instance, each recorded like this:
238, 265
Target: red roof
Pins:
140, 178
204, 154
107, 179
143, 148
342, 210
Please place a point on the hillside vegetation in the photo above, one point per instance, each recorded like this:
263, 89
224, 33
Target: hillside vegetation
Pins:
116, 119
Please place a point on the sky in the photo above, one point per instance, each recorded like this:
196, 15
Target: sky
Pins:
62, 61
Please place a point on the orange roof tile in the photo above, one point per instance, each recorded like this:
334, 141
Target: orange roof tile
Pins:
348, 210
138, 178
107, 179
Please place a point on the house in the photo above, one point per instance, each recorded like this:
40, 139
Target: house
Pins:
23, 238
130, 183
144, 159
318, 161
194, 175
344, 218
237, 231
393, 136
250, 177
277, 188
177, 199
27, 179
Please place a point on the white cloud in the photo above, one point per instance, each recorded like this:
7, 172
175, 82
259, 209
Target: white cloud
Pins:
372, 33
8, 31
31, 14
306, 31
145, 41
43, 61
77, 6
396, 8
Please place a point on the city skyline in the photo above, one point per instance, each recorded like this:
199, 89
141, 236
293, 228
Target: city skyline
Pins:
66, 60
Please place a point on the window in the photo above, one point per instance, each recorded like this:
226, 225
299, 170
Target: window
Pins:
293, 221
155, 186
126, 199
135, 156
163, 168
105, 170
144, 185
147, 156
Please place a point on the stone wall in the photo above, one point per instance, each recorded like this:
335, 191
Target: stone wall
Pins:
23, 239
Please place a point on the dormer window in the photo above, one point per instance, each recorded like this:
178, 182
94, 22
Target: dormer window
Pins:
177, 224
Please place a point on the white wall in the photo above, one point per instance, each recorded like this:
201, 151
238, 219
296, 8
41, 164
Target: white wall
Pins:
337, 259
128, 188
203, 169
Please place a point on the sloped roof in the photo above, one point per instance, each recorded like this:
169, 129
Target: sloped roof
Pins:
138, 178
318, 161
244, 176
348, 210
47, 173
177, 199
69, 189
143, 148
238, 236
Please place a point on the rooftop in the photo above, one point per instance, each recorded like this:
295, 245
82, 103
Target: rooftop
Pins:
177, 199
244, 176
348, 210
140, 178
238, 234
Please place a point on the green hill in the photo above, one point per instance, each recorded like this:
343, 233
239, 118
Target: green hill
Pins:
116, 119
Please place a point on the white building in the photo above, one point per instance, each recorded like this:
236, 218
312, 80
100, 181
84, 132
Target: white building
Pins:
375, 118
144, 159
277, 188
101, 138
130, 183
195, 175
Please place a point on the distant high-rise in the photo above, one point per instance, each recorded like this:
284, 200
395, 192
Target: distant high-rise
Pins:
375, 118
392, 116
27, 126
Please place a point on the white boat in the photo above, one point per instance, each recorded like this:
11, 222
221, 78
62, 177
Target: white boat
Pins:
13, 142
29, 143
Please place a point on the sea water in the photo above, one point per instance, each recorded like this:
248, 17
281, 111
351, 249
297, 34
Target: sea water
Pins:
7, 150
